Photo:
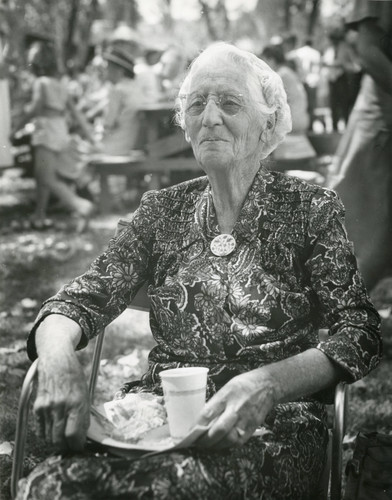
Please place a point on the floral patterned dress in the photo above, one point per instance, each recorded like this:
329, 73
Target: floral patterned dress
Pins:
292, 272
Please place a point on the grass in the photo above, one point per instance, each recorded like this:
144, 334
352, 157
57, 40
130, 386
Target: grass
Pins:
34, 265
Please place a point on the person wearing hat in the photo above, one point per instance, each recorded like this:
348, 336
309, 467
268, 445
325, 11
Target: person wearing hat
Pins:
121, 123
127, 39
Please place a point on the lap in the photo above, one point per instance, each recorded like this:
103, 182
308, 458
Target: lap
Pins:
270, 467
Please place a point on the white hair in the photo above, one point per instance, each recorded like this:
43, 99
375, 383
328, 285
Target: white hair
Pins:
262, 81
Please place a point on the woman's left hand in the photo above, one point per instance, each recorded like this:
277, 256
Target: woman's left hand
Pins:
236, 410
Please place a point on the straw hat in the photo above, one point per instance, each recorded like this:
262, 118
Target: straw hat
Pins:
119, 56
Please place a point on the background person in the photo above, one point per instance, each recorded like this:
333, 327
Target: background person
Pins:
121, 125
147, 76
297, 145
54, 167
363, 169
289, 45
171, 71
354, 71
340, 63
249, 310
296, 95
308, 63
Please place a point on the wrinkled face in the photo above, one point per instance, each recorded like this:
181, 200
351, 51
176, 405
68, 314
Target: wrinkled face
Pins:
221, 120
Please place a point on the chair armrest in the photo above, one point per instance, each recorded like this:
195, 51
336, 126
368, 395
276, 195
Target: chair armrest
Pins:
21, 427
95, 365
337, 440
24, 406
23, 412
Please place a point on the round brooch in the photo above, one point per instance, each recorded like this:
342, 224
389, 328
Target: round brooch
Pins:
222, 245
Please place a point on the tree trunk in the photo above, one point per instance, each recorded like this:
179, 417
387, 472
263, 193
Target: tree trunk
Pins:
14, 15
133, 13
69, 46
287, 15
57, 18
223, 17
313, 16
206, 14
271, 14
218, 24
85, 29
167, 17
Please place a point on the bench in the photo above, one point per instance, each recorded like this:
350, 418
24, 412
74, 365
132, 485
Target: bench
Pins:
172, 153
161, 158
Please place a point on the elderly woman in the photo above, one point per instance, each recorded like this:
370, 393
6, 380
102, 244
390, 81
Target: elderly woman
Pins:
243, 267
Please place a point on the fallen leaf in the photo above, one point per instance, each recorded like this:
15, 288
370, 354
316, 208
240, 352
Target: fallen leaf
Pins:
28, 303
385, 313
6, 448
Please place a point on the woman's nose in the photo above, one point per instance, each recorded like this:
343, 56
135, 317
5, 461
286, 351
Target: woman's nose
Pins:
212, 115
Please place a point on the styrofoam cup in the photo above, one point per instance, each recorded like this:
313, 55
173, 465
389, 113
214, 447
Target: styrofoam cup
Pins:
184, 391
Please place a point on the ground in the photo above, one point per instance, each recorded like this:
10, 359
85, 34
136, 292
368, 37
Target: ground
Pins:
34, 264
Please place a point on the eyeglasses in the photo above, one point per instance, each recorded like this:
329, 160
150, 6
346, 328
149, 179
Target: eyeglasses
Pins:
229, 104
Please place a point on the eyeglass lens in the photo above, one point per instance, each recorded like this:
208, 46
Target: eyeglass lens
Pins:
229, 104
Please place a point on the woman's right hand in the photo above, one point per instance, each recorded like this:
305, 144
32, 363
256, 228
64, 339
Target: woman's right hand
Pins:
62, 405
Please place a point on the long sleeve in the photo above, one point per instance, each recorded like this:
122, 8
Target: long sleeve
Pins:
354, 324
97, 297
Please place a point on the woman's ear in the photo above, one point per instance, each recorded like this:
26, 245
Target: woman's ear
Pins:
265, 135
187, 138
268, 131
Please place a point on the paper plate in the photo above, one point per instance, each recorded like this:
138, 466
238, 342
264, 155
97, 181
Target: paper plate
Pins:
155, 440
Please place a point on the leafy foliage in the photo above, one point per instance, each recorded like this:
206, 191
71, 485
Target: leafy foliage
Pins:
69, 22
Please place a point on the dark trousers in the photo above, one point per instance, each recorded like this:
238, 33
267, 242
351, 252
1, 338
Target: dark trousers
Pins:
339, 103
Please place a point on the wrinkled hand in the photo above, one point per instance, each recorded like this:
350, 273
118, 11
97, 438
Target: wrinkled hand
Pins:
236, 410
62, 404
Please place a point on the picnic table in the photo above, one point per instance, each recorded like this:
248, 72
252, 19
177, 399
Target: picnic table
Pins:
162, 156
158, 156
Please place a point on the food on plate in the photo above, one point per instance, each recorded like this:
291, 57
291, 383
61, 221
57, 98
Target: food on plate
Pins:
134, 415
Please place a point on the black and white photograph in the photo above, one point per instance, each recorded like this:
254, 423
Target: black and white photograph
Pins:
196, 249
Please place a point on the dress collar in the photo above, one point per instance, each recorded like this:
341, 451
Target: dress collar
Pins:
247, 224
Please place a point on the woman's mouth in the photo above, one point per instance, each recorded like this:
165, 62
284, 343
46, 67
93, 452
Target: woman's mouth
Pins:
211, 139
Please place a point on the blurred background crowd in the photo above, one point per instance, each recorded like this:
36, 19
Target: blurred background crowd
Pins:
77, 76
